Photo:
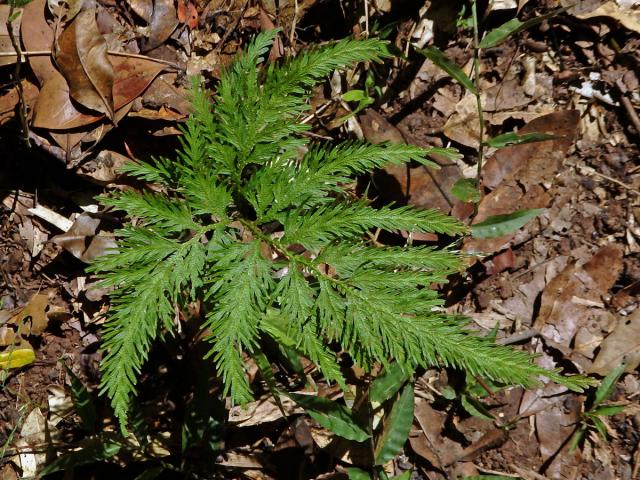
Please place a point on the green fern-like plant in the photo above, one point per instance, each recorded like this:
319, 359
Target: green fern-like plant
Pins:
257, 223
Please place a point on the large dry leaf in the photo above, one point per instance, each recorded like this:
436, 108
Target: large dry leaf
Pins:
504, 100
142, 8
567, 300
521, 185
132, 77
54, 109
431, 443
70, 140
622, 345
5, 40
81, 54
164, 21
509, 160
37, 35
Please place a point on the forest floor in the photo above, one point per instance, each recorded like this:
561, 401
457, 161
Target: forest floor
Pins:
566, 286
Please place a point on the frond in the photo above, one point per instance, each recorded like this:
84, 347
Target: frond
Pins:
239, 298
296, 297
304, 71
138, 309
352, 220
346, 258
168, 215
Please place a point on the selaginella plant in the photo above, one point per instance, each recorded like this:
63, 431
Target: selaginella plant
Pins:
259, 225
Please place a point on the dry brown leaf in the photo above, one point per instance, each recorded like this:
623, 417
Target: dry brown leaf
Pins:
431, 444
54, 109
622, 345
33, 434
554, 425
104, 168
70, 140
262, 411
83, 241
32, 318
164, 21
37, 35
565, 301
463, 125
142, 8
509, 160
81, 54
132, 77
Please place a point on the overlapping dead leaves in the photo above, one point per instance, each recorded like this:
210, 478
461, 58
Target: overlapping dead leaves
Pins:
88, 71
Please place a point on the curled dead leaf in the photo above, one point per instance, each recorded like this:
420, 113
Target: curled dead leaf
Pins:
163, 22
54, 109
83, 240
81, 54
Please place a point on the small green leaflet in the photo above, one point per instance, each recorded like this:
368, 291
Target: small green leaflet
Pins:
437, 57
449, 153
466, 190
396, 427
474, 407
355, 96
577, 438
388, 383
605, 389
499, 225
357, 474
498, 35
332, 416
512, 138
607, 411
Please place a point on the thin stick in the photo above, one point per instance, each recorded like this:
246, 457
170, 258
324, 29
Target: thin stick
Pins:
592, 171
476, 71
43, 53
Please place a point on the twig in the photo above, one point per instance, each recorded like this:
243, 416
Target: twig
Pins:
495, 472
43, 53
518, 337
366, 18
292, 33
631, 112
585, 170
144, 57
476, 71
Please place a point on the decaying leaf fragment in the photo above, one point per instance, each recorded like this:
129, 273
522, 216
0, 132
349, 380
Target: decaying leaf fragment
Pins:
622, 345
83, 239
